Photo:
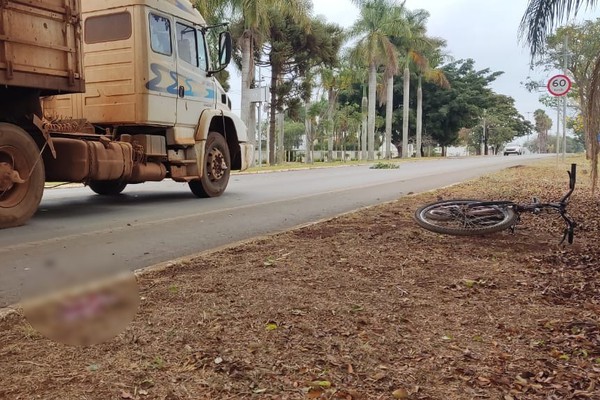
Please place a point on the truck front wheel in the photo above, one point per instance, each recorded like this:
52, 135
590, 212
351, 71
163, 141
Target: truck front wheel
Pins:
107, 188
22, 176
217, 167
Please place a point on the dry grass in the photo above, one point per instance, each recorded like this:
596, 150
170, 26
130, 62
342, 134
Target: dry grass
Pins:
365, 306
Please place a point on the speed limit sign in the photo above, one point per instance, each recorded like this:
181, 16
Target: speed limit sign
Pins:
559, 85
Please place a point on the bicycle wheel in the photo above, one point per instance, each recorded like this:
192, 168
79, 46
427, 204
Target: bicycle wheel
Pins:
466, 217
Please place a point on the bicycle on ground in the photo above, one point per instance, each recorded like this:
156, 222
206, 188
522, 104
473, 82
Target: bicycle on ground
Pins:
477, 217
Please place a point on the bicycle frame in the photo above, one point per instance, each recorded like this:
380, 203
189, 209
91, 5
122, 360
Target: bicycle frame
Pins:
536, 207
469, 217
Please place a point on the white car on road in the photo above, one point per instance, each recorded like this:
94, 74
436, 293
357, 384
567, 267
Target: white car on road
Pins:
513, 149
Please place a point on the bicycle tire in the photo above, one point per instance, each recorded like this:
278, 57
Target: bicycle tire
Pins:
465, 218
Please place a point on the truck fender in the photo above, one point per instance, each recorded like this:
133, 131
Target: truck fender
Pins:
223, 118
235, 132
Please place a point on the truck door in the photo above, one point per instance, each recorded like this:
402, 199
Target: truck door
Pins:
196, 91
162, 83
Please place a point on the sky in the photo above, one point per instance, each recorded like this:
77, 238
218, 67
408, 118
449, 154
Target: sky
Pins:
484, 30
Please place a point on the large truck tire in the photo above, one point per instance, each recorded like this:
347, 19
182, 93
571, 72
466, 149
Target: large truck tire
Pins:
22, 176
108, 188
217, 168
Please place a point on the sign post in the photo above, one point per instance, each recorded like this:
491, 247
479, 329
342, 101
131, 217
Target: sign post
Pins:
558, 86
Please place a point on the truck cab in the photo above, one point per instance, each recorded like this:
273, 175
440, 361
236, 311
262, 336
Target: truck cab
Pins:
152, 107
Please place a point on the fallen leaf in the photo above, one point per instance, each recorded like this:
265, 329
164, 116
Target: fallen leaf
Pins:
401, 394
469, 283
321, 384
357, 308
271, 326
379, 376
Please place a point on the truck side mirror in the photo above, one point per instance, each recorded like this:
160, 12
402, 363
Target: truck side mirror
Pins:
224, 49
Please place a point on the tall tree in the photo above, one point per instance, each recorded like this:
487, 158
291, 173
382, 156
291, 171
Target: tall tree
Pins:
503, 123
428, 70
447, 111
379, 20
412, 45
334, 81
543, 123
539, 21
583, 47
292, 52
255, 19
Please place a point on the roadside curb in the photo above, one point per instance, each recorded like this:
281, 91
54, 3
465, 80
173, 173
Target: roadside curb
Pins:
298, 169
14, 308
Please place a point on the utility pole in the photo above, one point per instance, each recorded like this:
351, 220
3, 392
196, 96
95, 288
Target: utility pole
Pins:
484, 150
259, 120
557, 128
564, 120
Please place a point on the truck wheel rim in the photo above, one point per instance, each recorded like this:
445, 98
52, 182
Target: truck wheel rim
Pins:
216, 165
12, 194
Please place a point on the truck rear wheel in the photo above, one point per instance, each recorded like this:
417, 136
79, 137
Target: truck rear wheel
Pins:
22, 176
217, 168
107, 188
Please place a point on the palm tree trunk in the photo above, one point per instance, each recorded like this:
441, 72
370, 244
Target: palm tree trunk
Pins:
247, 78
405, 110
273, 119
331, 106
419, 116
371, 117
363, 135
388, 117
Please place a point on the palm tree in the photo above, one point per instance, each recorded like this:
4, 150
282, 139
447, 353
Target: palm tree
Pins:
334, 81
379, 20
540, 19
255, 17
424, 70
412, 44
541, 16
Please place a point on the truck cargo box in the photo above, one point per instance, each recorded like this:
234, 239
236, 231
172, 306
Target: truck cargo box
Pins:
40, 45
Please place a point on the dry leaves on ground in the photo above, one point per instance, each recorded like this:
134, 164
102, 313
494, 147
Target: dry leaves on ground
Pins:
365, 306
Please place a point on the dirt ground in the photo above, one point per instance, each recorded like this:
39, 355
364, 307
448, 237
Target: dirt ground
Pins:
365, 306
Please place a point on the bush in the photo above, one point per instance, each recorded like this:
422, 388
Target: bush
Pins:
383, 165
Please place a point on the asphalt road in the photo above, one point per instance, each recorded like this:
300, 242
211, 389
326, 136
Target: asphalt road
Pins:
77, 235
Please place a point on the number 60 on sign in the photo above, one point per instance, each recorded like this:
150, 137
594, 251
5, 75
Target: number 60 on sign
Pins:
559, 85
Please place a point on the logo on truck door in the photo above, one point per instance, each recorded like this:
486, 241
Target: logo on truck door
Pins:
167, 81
